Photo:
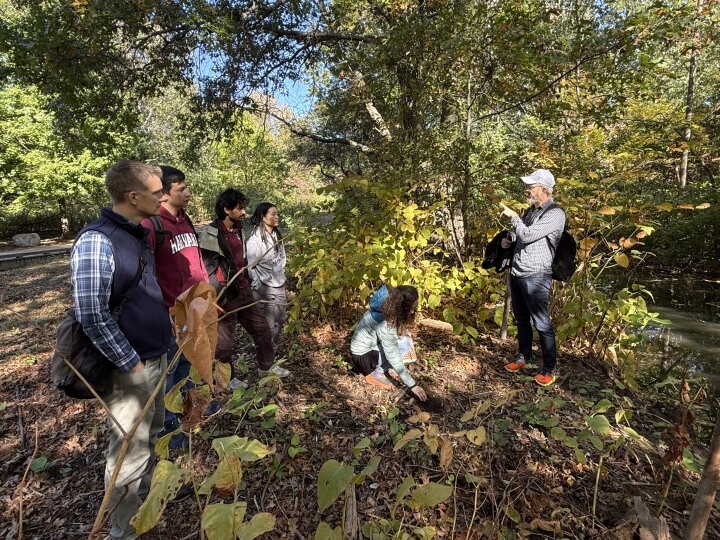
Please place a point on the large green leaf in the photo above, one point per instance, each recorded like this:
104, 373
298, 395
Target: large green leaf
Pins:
333, 479
324, 532
599, 424
428, 495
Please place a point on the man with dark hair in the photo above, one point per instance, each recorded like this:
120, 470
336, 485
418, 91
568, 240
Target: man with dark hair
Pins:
179, 266
223, 250
110, 255
536, 236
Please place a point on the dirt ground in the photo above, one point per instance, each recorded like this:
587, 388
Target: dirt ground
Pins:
520, 482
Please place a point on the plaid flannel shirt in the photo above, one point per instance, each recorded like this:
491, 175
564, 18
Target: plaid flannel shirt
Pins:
533, 254
92, 265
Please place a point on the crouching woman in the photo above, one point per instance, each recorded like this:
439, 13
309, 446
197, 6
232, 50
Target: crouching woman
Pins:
374, 344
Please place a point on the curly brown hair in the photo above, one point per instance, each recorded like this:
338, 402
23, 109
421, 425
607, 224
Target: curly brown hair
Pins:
400, 307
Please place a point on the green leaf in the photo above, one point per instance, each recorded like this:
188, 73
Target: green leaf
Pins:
166, 481
477, 436
467, 416
222, 521
429, 495
558, 434
333, 479
513, 514
602, 406
571, 442
174, 398
38, 464
404, 488
369, 469
599, 424
580, 456
470, 330
324, 532
218, 520
596, 442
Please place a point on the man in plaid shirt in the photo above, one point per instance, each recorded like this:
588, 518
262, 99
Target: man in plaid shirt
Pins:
107, 258
536, 236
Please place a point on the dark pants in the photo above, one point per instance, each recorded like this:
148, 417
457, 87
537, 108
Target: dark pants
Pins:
252, 320
530, 303
180, 370
365, 363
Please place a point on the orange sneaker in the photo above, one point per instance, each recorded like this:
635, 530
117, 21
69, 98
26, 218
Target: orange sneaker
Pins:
379, 380
517, 364
545, 379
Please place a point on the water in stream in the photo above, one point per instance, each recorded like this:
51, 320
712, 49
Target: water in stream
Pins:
693, 305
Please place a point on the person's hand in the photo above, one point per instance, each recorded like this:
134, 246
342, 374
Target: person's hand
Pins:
505, 243
137, 368
509, 212
419, 393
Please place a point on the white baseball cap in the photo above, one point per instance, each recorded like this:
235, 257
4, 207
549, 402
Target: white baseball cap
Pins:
541, 176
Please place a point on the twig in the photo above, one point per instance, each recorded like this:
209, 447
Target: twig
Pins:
597, 486
22, 485
21, 424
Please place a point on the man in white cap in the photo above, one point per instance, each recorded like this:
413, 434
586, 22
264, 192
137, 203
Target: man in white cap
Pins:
536, 236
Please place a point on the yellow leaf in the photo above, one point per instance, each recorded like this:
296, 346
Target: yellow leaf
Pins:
409, 436
702, 206
685, 206
222, 374
607, 211
593, 175
665, 207
419, 418
166, 481
477, 436
622, 260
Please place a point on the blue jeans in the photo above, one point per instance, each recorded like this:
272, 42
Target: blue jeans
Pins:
530, 304
178, 373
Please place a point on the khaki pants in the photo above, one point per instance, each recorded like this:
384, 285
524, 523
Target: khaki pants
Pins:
130, 393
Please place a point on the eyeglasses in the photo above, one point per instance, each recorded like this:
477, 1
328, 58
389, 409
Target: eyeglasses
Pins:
534, 186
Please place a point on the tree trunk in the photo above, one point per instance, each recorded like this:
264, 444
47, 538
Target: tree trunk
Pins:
707, 487
687, 132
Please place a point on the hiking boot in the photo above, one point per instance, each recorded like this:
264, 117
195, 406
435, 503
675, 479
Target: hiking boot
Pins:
179, 441
517, 364
379, 380
212, 409
275, 370
545, 379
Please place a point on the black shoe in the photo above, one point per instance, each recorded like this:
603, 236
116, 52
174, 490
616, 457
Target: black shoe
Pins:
183, 493
212, 409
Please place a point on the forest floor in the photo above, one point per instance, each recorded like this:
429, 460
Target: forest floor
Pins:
520, 459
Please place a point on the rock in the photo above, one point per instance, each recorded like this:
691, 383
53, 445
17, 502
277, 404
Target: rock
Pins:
26, 240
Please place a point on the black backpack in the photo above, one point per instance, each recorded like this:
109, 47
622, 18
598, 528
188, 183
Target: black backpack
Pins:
160, 232
564, 261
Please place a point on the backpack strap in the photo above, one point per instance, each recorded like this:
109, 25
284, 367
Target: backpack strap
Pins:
550, 206
159, 231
